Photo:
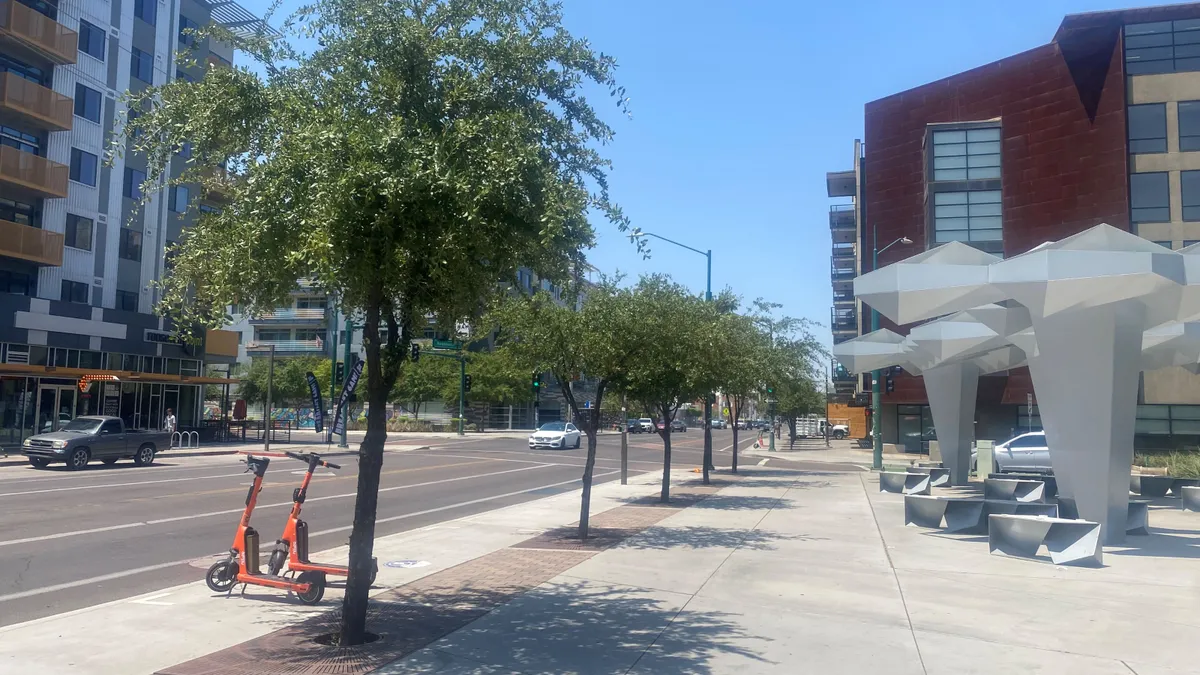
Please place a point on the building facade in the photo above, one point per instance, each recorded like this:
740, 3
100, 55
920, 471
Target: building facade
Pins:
1099, 125
79, 255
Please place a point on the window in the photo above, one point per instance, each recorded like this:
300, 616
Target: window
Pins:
87, 103
24, 71
1190, 242
1164, 244
1162, 47
1149, 198
1189, 184
127, 301
966, 154
180, 75
91, 40
178, 200
310, 334
83, 167
1148, 128
205, 208
111, 427
131, 245
19, 212
133, 183
972, 217
21, 140
1189, 125
79, 232
17, 283
141, 65
311, 303
74, 291
185, 150
186, 27
91, 360
272, 335
146, 10
1029, 442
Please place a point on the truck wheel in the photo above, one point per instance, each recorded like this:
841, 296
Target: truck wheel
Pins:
39, 462
144, 456
839, 434
79, 459
316, 587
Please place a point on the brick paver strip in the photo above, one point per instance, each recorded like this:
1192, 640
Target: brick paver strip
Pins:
419, 613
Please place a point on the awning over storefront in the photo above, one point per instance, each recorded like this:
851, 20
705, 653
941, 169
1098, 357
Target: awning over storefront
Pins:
122, 375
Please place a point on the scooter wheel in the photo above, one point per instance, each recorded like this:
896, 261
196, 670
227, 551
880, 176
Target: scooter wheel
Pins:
316, 587
221, 576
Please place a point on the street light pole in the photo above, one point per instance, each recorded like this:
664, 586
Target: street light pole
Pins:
876, 403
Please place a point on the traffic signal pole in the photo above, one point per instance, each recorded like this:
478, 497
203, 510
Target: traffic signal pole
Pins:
462, 393
345, 376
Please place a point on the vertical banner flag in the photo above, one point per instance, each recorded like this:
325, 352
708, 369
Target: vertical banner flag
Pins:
339, 422
315, 390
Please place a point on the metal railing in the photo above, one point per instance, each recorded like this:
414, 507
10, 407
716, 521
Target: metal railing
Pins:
46, 107
39, 32
286, 345
31, 243
186, 440
291, 315
37, 174
841, 216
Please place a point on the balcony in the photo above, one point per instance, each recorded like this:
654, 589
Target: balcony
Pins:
290, 317
32, 31
843, 320
44, 108
844, 251
36, 174
285, 347
31, 243
840, 374
842, 269
842, 296
841, 184
841, 217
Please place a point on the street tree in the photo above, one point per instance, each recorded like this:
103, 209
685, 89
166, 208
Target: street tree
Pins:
747, 357
588, 351
289, 382
423, 381
420, 152
677, 343
496, 377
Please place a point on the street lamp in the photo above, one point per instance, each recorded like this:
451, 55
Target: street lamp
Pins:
707, 297
877, 437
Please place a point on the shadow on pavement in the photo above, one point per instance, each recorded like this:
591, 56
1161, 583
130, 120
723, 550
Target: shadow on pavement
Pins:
701, 536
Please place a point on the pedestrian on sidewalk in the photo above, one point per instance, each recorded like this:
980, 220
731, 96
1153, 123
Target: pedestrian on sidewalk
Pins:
169, 422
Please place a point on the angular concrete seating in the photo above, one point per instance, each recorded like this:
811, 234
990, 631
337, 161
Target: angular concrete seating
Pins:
904, 483
1191, 497
1068, 541
1050, 481
1016, 490
968, 515
1159, 486
1138, 521
938, 476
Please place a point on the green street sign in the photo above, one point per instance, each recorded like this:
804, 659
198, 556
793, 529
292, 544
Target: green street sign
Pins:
446, 344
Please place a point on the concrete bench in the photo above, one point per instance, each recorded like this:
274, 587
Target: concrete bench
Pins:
1191, 497
938, 476
1136, 522
1159, 486
1070, 542
967, 515
1050, 481
1015, 490
904, 483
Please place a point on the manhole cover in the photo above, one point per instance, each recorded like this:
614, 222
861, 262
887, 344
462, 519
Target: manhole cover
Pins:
406, 564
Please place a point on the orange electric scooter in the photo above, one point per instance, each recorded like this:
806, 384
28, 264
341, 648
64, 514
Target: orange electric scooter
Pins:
292, 547
241, 567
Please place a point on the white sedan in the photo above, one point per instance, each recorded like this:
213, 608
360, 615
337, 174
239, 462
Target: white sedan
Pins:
555, 435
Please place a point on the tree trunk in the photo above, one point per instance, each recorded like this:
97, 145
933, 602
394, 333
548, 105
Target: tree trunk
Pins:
592, 427
708, 453
665, 495
370, 462
735, 445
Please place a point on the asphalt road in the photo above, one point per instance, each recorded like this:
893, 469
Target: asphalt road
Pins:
75, 539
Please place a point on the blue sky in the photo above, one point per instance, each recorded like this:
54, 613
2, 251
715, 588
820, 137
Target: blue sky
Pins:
740, 107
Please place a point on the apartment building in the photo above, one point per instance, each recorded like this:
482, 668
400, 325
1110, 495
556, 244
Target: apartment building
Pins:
79, 256
1099, 125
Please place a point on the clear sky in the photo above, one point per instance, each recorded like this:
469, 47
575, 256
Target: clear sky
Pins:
741, 106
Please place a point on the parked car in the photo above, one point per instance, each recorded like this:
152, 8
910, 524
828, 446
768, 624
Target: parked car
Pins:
633, 426
555, 435
1027, 453
647, 424
719, 424
94, 437
678, 426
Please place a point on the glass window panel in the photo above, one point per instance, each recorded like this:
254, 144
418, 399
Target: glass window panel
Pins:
1150, 145
985, 209
1148, 28
1148, 190
1186, 24
1147, 121
951, 149
987, 235
1151, 215
955, 162
1191, 214
1189, 182
1149, 67
1164, 244
949, 174
975, 161
1186, 52
952, 223
1184, 65
940, 137
959, 235
1153, 40
1149, 54
984, 148
1153, 412
1185, 412
950, 198
1186, 38
989, 134
1185, 427
984, 196
950, 211
1154, 427
984, 172
986, 222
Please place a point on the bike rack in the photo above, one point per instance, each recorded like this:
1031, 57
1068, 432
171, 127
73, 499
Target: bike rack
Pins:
185, 440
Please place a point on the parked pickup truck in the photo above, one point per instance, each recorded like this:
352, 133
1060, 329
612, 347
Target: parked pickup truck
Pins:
94, 437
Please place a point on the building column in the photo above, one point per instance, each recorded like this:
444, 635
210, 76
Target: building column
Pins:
952, 390
1086, 379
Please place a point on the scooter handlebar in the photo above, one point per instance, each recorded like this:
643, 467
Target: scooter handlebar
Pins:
305, 458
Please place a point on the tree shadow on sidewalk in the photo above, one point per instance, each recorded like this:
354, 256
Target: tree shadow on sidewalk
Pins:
701, 536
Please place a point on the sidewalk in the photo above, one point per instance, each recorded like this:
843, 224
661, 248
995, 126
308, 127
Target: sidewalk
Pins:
845, 451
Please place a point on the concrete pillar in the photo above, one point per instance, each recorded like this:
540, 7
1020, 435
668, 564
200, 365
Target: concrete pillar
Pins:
1086, 378
952, 391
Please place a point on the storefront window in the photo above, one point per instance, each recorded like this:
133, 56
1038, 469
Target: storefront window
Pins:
172, 366
188, 397
12, 400
89, 360
39, 356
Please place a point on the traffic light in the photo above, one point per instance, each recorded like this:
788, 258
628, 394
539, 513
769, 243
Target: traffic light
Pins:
416, 352
339, 373
770, 390
537, 382
889, 385
467, 383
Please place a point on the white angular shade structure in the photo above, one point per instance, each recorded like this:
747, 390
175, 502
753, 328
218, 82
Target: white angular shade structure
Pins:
1090, 298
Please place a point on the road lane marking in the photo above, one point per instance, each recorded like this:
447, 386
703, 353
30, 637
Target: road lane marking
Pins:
113, 485
150, 568
764, 462
152, 600
225, 512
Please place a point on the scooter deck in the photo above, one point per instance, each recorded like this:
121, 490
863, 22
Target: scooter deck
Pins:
269, 580
305, 566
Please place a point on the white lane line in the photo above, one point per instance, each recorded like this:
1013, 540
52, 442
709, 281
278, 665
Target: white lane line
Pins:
580, 465
75, 533
150, 568
114, 485
764, 462
152, 600
26, 474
